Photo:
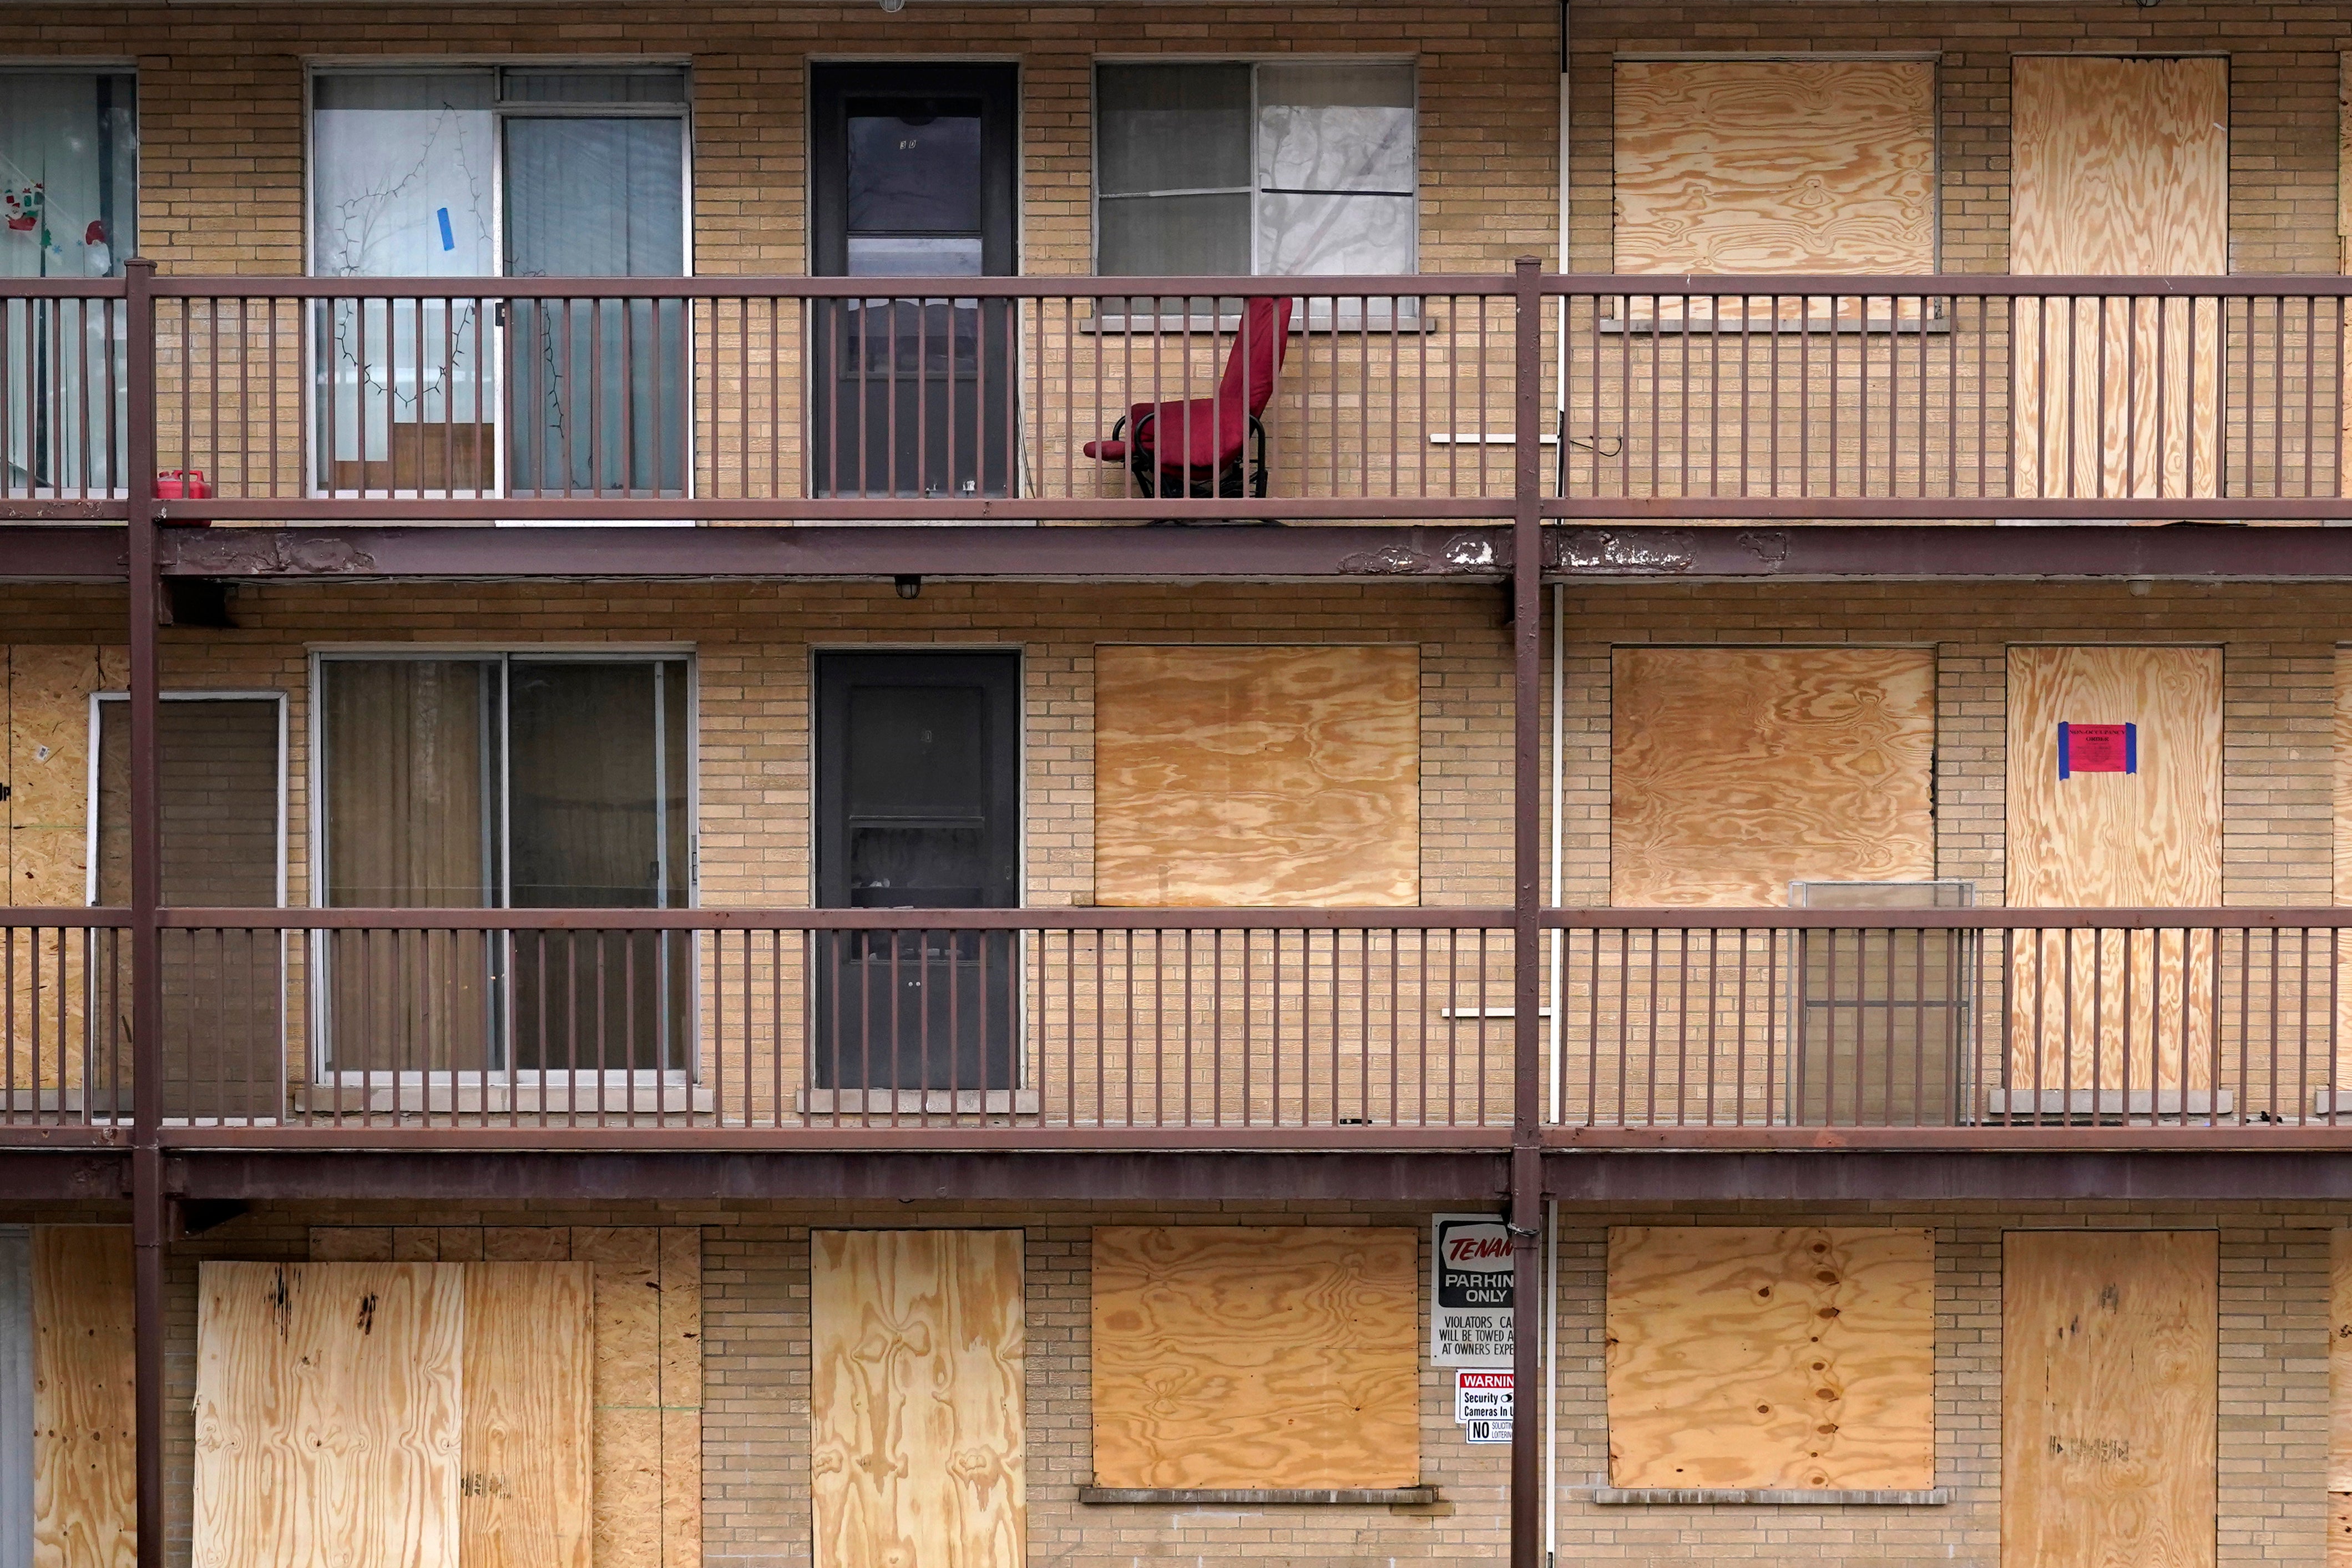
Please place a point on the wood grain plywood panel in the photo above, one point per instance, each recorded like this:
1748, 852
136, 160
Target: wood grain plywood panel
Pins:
1257, 1356
2119, 167
85, 1480
1736, 770
679, 1373
328, 1414
1258, 775
2146, 838
2109, 1411
916, 1399
1795, 1358
49, 688
2149, 838
524, 1499
626, 1261
1788, 166
2339, 1363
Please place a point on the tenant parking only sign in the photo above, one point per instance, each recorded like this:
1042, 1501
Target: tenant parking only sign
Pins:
1470, 1291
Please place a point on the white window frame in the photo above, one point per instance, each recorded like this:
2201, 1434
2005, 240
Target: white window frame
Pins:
498, 1089
501, 112
1113, 317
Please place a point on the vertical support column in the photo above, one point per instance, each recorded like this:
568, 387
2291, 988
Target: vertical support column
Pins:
1527, 907
143, 591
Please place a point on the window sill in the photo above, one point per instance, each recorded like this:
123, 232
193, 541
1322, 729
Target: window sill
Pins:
1763, 1497
1346, 1497
468, 1094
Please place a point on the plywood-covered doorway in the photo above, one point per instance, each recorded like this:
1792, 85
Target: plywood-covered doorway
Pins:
2110, 1367
2120, 167
914, 1398
2146, 834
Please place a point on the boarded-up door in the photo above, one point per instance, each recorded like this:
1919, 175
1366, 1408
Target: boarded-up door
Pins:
2127, 1016
2121, 167
916, 1398
2109, 1400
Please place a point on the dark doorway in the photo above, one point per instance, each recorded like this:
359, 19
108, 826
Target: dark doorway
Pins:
918, 807
914, 172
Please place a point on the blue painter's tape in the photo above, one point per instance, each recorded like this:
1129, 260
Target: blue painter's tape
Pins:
2131, 748
2064, 772
448, 240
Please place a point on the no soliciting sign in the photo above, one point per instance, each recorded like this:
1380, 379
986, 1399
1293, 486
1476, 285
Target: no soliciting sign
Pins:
1470, 1291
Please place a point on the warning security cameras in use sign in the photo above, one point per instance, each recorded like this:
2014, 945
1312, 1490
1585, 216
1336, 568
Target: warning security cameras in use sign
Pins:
1470, 1290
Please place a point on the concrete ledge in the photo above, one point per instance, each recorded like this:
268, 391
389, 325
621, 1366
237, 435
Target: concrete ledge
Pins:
1359, 1496
1687, 1497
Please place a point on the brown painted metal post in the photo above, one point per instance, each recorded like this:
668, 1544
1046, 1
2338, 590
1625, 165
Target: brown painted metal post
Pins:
1527, 907
147, 1200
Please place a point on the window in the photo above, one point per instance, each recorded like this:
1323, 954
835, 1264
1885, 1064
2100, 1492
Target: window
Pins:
1234, 169
495, 781
68, 208
515, 172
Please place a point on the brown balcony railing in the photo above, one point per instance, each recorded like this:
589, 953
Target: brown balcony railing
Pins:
1967, 1028
762, 399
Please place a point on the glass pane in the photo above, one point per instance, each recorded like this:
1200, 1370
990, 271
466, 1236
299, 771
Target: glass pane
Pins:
558, 85
1336, 128
909, 256
405, 396
401, 175
410, 814
410, 819
1172, 128
917, 784
594, 753
1174, 236
913, 166
1305, 235
596, 198
68, 173
592, 794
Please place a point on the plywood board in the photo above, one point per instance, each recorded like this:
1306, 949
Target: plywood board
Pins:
916, 1398
627, 1266
2343, 776
2339, 1365
1736, 771
1799, 1358
16, 1395
85, 1477
2145, 839
2119, 166
48, 762
329, 1420
2149, 838
679, 1361
524, 1495
1787, 166
1258, 775
1257, 1356
2109, 1414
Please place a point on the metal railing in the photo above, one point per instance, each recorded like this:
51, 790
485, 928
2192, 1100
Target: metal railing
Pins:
1956, 1029
759, 399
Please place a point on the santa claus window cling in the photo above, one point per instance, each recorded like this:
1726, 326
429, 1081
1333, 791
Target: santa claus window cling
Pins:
68, 173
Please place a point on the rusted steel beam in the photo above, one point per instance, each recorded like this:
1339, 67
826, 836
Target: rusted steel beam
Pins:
2042, 1176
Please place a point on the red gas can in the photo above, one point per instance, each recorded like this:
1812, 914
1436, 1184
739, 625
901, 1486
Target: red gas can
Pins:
184, 484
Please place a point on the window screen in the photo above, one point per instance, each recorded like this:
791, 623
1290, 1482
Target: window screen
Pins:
1240, 168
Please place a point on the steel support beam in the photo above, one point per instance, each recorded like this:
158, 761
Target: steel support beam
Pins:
1608, 1180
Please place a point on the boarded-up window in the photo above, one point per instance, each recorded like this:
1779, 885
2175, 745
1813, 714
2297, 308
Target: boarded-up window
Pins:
459, 1395
2339, 1399
1258, 775
914, 1398
1789, 1359
2143, 834
1776, 166
2108, 1398
1735, 771
2119, 167
68, 1474
646, 1429
1255, 1357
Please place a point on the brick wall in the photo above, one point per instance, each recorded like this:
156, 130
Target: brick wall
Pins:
2283, 102
2273, 1406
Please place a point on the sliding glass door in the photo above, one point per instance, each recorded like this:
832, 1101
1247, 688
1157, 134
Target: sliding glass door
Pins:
515, 172
496, 781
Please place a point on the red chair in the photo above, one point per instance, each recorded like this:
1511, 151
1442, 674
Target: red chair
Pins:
1215, 446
